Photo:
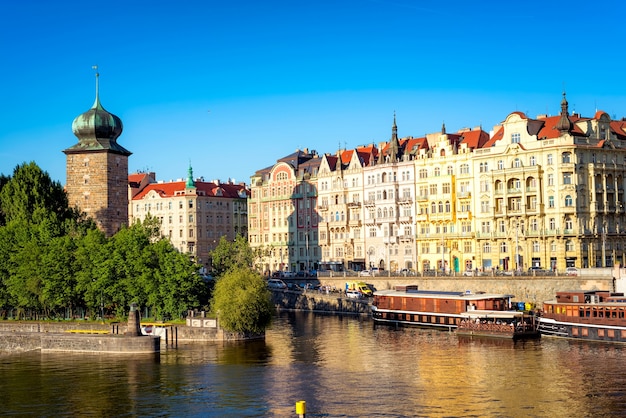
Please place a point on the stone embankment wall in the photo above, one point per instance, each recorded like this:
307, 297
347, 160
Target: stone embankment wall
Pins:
534, 290
315, 301
18, 341
18, 336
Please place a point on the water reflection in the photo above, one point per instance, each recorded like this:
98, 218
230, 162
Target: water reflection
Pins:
341, 366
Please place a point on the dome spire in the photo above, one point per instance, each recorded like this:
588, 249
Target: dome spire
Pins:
96, 103
190, 183
564, 124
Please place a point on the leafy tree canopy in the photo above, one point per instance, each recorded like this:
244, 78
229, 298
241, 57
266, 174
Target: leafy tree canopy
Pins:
242, 301
228, 255
30, 194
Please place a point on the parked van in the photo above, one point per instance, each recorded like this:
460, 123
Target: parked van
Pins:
361, 287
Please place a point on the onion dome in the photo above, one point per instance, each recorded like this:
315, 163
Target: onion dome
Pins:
97, 129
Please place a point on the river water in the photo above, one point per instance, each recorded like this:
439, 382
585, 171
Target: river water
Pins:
341, 367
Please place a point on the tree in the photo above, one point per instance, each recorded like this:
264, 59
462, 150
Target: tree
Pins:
231, 254
30, 193
241, 301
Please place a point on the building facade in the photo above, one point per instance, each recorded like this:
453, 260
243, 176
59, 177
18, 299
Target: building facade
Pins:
283, 215
97, 168
194, 214
545, 192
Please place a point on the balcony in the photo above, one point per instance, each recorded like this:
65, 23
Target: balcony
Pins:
370, 203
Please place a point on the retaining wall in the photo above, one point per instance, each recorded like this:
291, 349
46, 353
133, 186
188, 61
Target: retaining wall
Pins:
535, 290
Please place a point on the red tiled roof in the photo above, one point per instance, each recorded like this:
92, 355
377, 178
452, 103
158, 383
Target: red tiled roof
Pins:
619, 128
476, 138
549, 130
166, 190
496, 137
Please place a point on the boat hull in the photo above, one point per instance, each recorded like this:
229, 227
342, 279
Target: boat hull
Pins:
415, 319
549, 327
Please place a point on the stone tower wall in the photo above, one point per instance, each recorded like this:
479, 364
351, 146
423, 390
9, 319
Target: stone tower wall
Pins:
97, 182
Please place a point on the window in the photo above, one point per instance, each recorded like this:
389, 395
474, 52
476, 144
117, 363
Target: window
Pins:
550, 159
566, 157
552, 224
567, 178
569, 202
446, 188
464, 169
485, 227
486, 247
483, 167
450, 170
569, 245
437, 171
550, 201
536, 247
484, 206
515, 138
569, 224
500, 165
423, 173
503, 247
532, 161
517, 163
550, 179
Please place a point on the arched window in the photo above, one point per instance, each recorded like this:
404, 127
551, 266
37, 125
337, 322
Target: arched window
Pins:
447, 207
337, 216
440, 207
433, 208
566, 157
569, 201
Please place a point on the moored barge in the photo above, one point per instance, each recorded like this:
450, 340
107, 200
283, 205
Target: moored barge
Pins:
595, 315
406, 305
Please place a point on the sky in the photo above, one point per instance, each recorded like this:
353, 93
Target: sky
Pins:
229, 87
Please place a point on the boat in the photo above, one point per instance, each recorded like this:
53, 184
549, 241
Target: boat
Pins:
596, 315
515, 325
407, 305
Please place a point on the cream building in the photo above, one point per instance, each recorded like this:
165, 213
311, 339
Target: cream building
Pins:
194, 214
283, 216
545, 192
551, 192
340, 205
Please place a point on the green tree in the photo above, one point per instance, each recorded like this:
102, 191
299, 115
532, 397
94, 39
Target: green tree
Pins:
241, 301
227, 255
30, 193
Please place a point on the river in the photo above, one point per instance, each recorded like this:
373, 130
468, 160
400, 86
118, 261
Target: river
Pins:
341, 367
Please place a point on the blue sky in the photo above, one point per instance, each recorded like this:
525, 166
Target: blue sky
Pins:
231, 86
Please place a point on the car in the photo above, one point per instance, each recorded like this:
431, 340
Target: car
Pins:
571, 271
289, 274
353, 294
276, 284
375, 271
365, 273
468, 273
536, 270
